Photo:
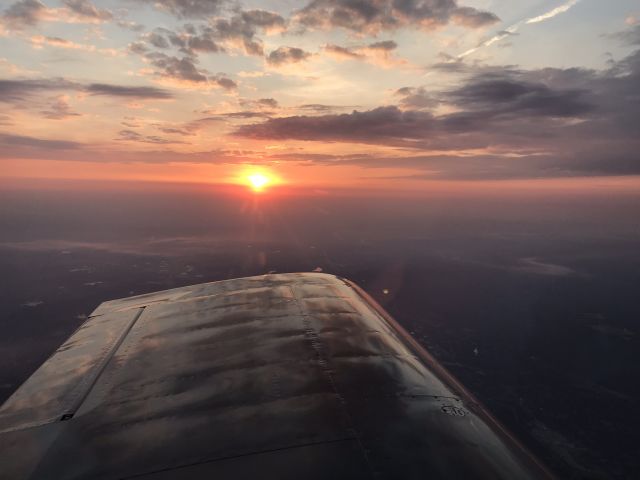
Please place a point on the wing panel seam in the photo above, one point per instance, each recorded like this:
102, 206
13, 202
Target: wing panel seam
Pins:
91, 380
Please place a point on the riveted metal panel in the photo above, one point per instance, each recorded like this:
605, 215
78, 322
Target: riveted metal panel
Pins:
282, 376
58, 387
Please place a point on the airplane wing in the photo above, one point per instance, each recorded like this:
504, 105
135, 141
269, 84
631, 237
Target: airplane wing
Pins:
283, 376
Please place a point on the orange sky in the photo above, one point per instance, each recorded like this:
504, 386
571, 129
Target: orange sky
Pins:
29, 173
402, 99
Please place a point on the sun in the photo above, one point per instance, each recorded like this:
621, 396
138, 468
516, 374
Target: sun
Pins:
258, 181
256, 178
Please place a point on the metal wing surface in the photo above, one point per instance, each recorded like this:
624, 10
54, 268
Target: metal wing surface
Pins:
282, 376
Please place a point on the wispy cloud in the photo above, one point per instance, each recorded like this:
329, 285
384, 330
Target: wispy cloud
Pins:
19, 90
379, 53
39, 41
552, 13
128, 91
133, 136
512, 29
9, 140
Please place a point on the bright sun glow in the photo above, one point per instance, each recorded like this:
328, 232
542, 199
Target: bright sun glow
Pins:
258, 181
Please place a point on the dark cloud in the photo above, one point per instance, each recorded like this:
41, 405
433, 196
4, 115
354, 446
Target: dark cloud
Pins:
174, 54
238, 32
473, 18
27, 13
380, 125
9, 142
187, 8
176, 131
177, 68
382, 15
505, 96
386, 45
546, 122
246, 114
284, 55
483, 103
128, 91
416, 98
241, 30
24, 13
498, 166
87, 10
379, 53
189, 41
262, 19
203, 43
133, 136
317, 107
184, 69
268, 102
18, 90
157, 40
224, 82
343, 52
323, 109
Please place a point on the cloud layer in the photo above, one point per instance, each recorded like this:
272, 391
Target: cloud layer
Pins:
536, 122
187, 8
12, 91
387, 15
320, 83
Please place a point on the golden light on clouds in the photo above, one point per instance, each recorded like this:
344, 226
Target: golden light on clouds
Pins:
334, 106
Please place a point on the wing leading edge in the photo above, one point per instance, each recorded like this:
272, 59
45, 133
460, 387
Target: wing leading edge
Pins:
279, 376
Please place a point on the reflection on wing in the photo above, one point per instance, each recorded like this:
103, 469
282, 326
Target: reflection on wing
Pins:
280, 376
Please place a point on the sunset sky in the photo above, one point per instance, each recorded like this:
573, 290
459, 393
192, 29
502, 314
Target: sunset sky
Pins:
472, 164
347, 93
